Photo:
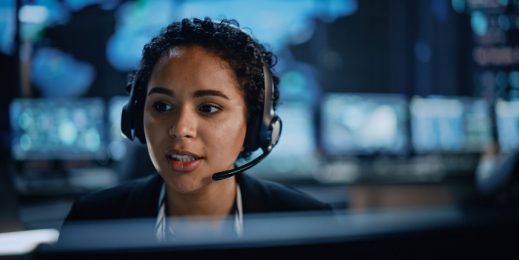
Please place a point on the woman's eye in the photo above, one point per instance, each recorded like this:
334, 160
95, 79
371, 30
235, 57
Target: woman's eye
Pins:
208, 108
162, 107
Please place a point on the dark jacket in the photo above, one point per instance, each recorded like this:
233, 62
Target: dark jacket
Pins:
138, 199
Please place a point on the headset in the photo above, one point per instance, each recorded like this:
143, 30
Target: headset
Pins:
263, 129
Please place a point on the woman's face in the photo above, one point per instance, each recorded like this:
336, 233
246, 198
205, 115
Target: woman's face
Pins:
194, 117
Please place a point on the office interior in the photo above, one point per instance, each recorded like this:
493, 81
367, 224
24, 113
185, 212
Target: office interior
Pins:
386, 105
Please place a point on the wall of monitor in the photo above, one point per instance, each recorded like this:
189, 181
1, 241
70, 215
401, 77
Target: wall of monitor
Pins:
348, 127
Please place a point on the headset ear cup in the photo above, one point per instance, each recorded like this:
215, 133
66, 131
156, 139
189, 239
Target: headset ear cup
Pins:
126, 122
252, 137
273, 132
139, 125
132, 114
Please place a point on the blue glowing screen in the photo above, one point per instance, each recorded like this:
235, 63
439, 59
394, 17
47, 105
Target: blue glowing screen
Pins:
362, 124
117, 147
7, 26
450, 124
477, 124
275, 22
115, 108
58, 74
295, 153
507, 113
57, 128
437, 124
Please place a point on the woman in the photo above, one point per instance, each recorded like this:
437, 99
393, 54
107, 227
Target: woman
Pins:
195, 101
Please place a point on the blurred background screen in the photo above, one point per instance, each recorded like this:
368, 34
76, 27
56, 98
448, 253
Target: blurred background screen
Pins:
357, 124
507, 113
58, 129
116, 147
450, 124
296, 155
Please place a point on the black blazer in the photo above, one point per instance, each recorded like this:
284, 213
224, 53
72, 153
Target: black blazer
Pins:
138, 199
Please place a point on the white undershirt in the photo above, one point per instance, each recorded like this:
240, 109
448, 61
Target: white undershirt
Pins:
164, 231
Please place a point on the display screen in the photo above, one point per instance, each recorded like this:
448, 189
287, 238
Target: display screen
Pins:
477, 124
507, 113
7, 26
436, 124
450, 124
117, 147
115, 108
363, 124
57, 128
295, 152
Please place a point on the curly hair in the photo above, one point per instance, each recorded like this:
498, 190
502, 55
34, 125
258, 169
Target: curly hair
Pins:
225, 39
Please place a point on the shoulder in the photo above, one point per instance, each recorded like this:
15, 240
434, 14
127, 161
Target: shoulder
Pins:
116, 202
93, 214
268, 196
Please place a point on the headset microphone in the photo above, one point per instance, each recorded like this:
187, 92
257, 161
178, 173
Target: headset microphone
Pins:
229, 173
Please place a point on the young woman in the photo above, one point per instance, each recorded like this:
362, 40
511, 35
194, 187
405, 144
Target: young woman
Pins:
197, 101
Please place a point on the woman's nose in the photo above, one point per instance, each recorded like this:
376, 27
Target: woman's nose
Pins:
184, 126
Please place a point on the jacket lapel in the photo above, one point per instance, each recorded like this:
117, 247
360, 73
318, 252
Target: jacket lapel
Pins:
143, 199
254, 196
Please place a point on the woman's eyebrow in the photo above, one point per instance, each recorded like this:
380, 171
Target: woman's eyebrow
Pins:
160, 90
209, 92
197, 94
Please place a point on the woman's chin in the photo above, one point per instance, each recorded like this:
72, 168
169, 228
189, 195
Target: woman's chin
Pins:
186, 184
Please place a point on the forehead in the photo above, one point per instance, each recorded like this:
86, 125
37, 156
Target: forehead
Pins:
193, 61
195, 66
195, 56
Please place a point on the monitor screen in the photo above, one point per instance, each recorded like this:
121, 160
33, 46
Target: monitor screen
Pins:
7, 26
294, 155
117, 147
477, 124
507, 115
450, 124
57, 129
364, 124
437, 124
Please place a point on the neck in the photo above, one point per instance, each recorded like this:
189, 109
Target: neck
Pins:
215, 200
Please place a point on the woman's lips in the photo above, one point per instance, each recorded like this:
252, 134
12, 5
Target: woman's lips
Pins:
184, 166
183, 161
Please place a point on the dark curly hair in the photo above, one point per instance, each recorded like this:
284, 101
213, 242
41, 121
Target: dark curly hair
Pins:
244, 54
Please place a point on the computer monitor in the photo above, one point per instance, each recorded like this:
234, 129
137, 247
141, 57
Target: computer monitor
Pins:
7, 27
507, 115
58, 129
295, 154
477, 124
450, 124
364, 124
435, 232
117, 146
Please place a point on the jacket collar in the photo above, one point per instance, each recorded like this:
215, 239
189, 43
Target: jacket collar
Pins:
255, 196
142, 201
